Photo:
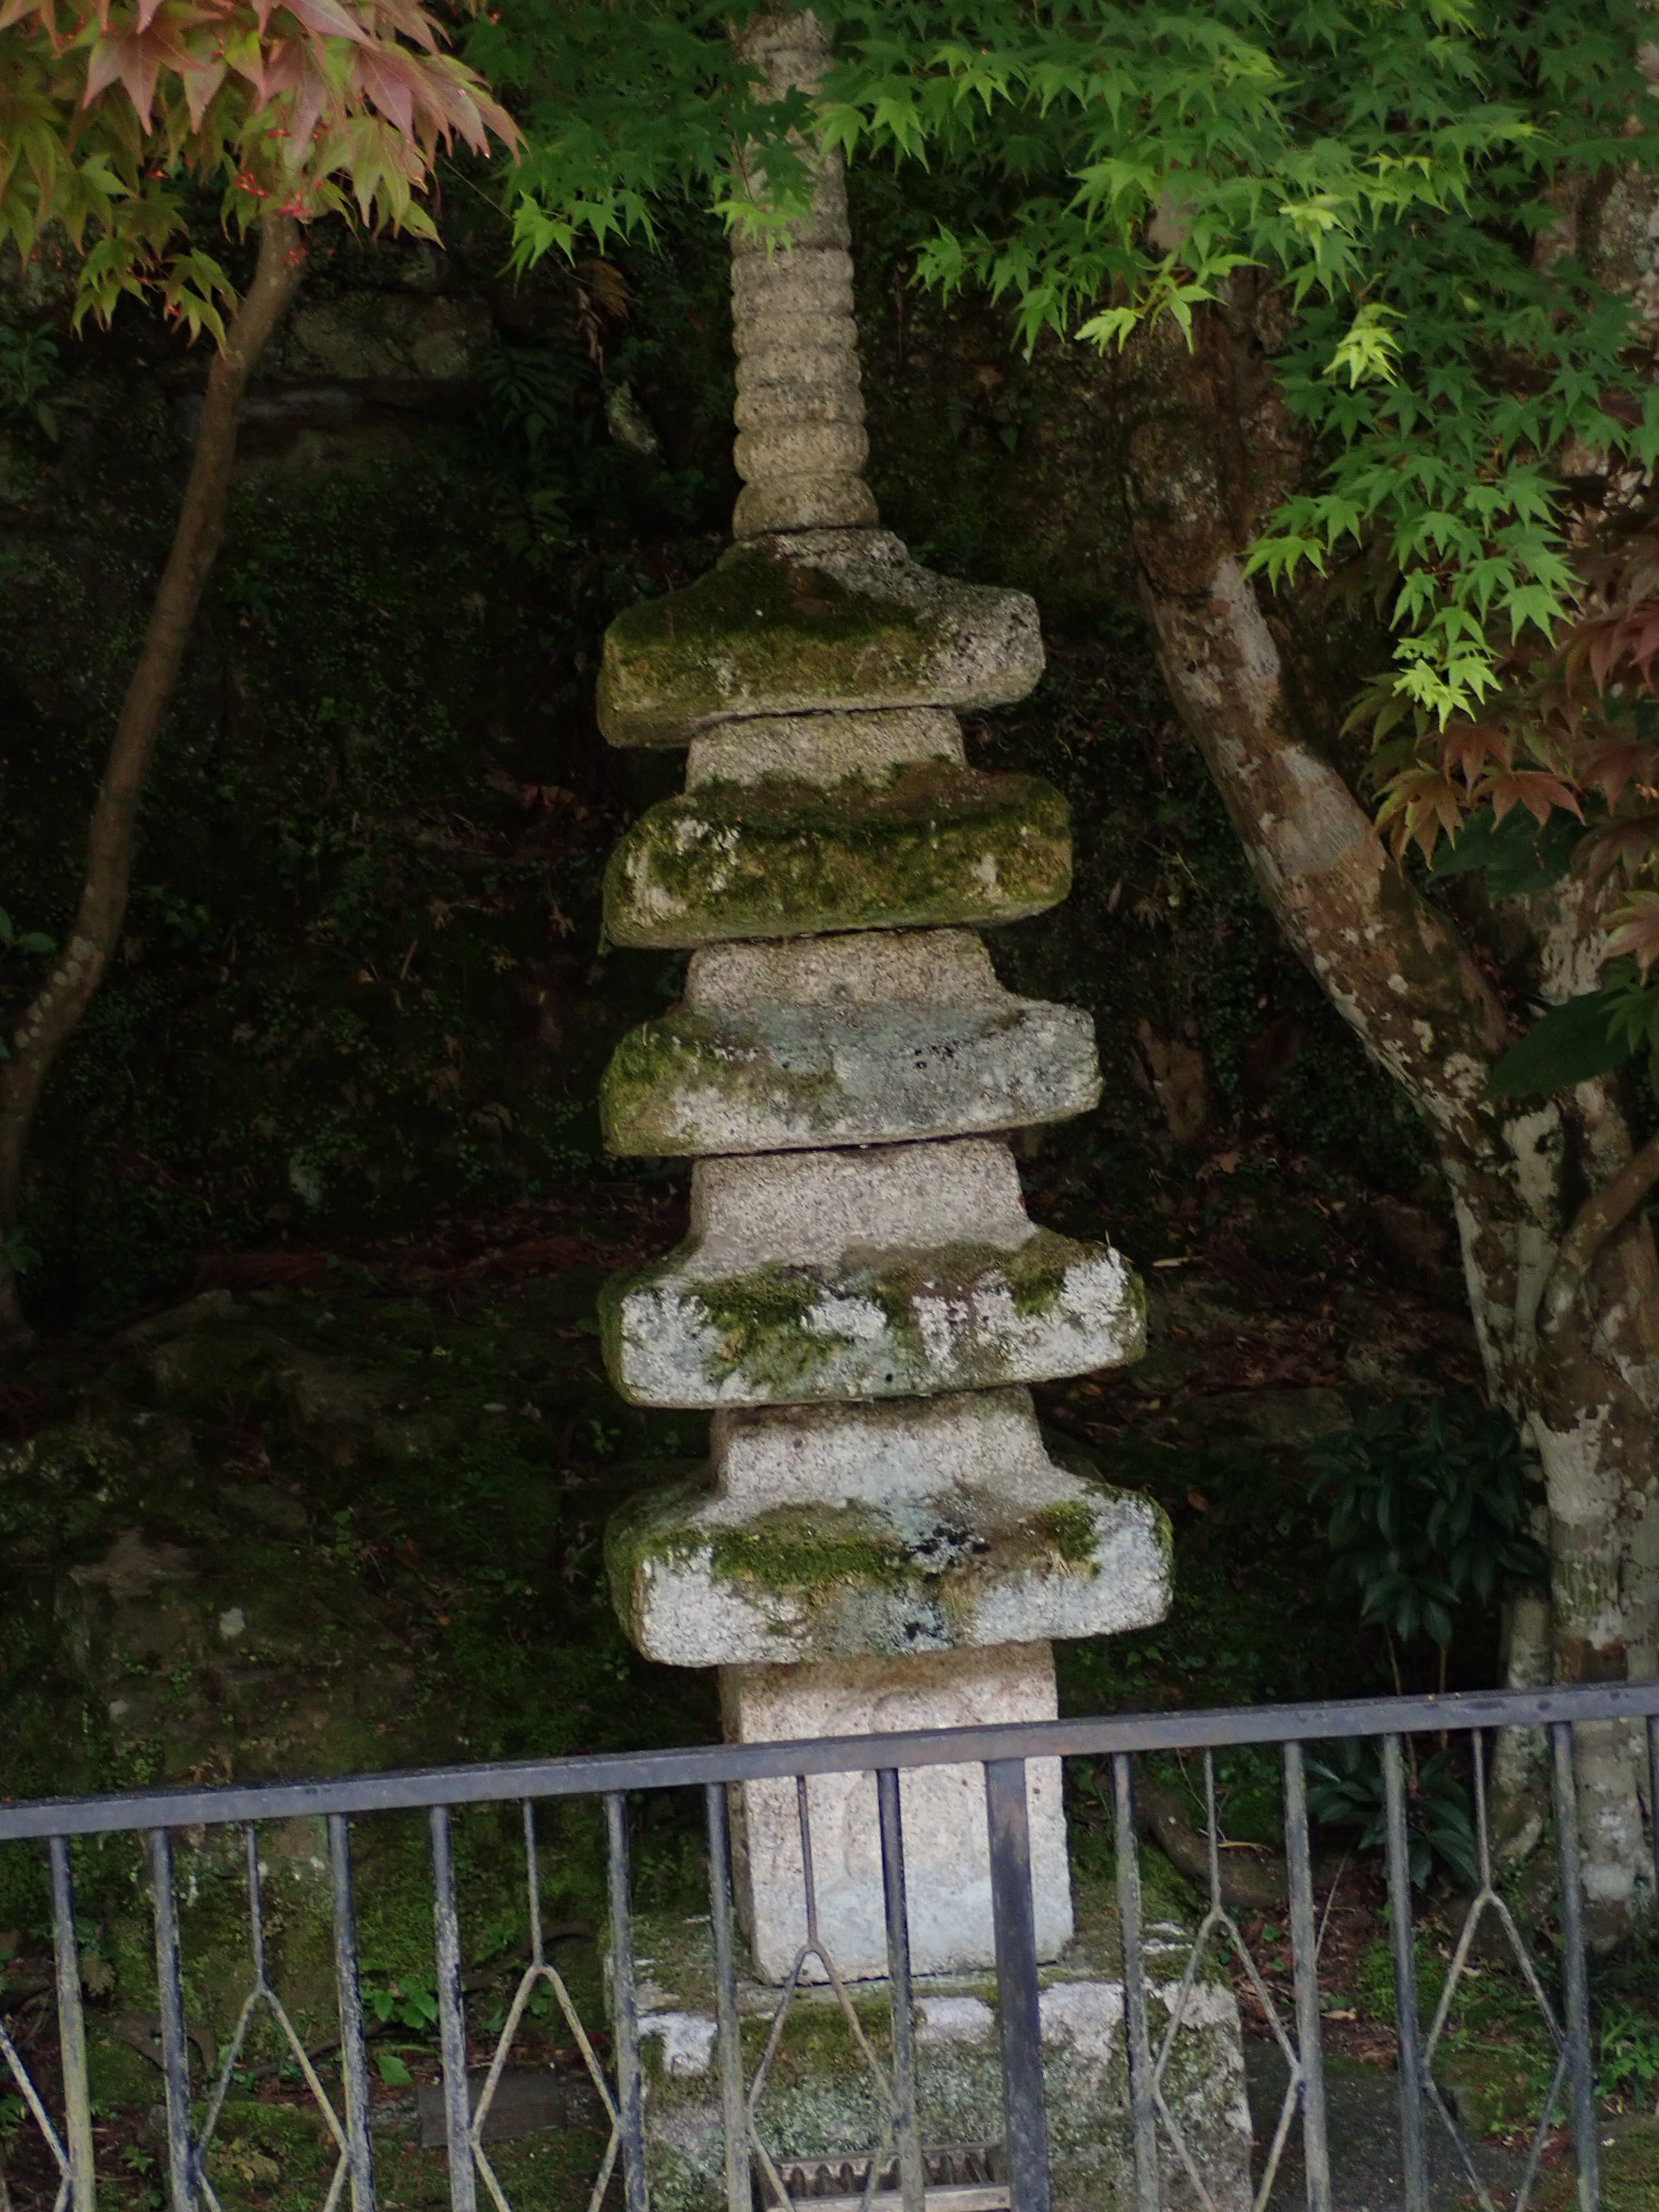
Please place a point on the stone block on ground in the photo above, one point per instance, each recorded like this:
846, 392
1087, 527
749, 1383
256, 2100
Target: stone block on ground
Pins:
823, 2111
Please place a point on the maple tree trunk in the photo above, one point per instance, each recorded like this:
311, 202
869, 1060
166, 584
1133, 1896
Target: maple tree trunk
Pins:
1558, 1255
93, 935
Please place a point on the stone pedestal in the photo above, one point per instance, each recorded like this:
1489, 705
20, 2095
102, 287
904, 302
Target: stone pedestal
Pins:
822, 2113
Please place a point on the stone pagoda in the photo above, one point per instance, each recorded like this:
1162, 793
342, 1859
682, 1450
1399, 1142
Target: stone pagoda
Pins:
884, 1542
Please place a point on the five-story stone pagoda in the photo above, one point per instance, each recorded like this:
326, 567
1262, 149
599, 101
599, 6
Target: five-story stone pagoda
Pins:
885, 1544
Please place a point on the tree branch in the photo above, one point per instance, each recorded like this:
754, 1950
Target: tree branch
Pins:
1597, 1220
95, 930
1387, 958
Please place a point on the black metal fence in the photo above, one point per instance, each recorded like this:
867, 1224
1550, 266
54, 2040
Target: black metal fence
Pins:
899, 2170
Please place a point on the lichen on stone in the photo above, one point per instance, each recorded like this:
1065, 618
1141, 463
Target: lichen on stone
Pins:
931, 844
778, 1077
963, 1315
764, 1318
1033, 1275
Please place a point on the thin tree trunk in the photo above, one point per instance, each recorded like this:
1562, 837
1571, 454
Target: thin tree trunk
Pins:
1567, 1311
1594, 1414
93, 935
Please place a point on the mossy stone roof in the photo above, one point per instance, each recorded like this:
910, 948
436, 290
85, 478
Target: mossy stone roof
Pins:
931, 844
767, 631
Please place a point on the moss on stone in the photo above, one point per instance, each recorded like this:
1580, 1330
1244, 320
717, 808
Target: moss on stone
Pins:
763, 1321
651, 1526
759, 631
790, 1547
1070, 1528
687, 1084
1036, 1285
824, 1561
1034, 1276
823, 2102
658, 1061
764, 1318
797, 1551
808, 1548
933, 844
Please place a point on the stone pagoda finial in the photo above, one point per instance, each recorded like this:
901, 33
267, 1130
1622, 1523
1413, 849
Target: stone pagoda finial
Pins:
884, 1542
801, 442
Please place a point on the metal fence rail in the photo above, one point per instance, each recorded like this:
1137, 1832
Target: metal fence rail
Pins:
896, 2171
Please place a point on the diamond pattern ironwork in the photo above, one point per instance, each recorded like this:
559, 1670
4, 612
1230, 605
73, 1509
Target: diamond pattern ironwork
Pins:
540, 1971
814, 1948
261, 1995
42, 2118
1219, 1921
59, 2123
1488, 1899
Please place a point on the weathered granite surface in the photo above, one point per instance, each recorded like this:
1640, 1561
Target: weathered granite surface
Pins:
914, 1526
792, 313
822, 749
924, 844
890, 1273
818, 621
784, 1078
854, 1039
947, 1866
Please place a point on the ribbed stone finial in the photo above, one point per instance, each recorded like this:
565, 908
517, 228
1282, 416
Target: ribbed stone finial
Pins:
801, 441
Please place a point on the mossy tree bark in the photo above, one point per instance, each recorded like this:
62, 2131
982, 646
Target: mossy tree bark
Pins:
89, 943
1557, 1252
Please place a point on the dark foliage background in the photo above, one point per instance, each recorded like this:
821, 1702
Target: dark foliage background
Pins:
363, 974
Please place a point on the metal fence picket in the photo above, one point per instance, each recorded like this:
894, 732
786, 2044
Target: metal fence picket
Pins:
1026, 2142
